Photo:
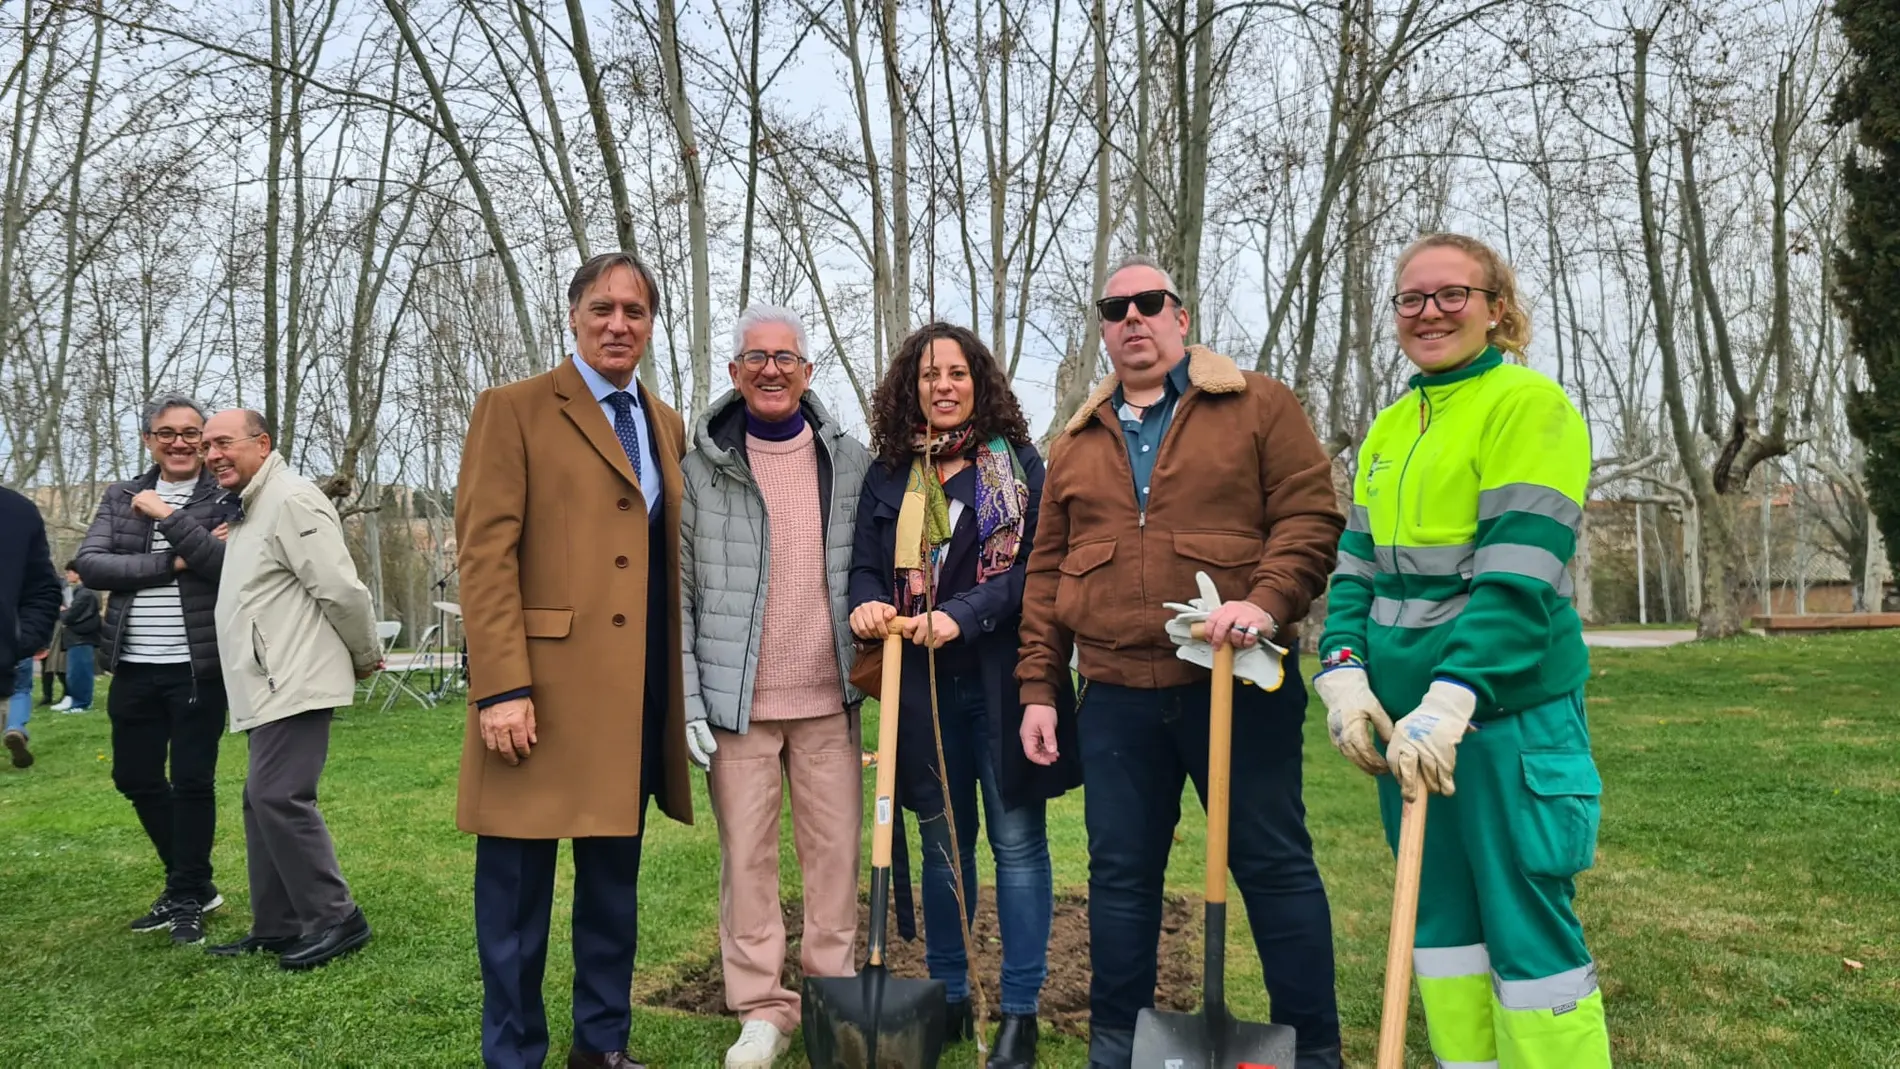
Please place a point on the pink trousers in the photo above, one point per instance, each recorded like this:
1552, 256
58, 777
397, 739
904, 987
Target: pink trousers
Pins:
819, 757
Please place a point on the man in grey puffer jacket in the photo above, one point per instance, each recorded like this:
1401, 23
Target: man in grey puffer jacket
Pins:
766, 530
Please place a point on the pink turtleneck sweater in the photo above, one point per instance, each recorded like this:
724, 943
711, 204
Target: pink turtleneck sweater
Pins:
798, 665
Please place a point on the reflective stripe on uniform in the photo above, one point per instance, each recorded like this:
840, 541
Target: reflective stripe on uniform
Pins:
1532, 498
1426, 560
1358, 519
1353, 566
1547, 993
1435, 962
1417, 612
1532, 562
1443, 1064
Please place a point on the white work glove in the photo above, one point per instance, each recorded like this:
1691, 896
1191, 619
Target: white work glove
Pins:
1352, 715
1425, 741
1262, 664
700, 743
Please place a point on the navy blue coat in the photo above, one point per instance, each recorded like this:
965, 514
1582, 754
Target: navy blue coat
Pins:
29, 587
988, 616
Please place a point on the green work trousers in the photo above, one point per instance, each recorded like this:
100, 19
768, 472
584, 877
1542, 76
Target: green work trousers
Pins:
1499, 956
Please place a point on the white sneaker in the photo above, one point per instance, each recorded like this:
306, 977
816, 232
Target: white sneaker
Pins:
760, 1044
63, 704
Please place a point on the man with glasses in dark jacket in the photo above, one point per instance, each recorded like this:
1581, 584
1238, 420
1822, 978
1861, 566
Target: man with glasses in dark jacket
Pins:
157, 545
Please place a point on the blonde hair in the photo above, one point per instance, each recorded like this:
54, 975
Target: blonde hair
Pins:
1513, 332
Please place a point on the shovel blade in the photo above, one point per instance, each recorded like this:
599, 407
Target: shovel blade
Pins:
873, 1021
1196, 1041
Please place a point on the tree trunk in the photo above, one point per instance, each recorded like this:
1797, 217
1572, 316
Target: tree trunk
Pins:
1076, 374
682, 114
452, 133
273, 211
899, 101
604, 135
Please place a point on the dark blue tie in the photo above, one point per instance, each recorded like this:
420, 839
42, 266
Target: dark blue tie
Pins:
624, 428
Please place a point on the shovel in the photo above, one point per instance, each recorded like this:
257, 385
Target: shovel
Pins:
1398, 951
874, 1020
1213, 1038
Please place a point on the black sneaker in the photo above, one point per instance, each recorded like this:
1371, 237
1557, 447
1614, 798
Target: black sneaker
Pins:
158, 918
187, 922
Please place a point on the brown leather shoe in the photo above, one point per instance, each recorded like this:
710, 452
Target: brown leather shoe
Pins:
613, 1059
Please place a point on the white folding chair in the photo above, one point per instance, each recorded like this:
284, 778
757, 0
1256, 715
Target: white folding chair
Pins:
420, 661
386, 632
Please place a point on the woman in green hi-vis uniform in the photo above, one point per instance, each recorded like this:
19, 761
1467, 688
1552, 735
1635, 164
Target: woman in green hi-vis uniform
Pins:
1451, 607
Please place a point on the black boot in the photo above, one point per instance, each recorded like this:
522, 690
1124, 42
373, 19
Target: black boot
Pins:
1320, 1058
959, 1023
1015, 1043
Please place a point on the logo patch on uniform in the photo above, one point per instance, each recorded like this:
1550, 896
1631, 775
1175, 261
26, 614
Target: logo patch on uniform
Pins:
1377, 464
1559, 1011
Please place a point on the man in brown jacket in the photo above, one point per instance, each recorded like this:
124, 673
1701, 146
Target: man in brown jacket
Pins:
1181, 463
567, 518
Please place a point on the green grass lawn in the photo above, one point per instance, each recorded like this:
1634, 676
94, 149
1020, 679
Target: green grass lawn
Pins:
1750, 844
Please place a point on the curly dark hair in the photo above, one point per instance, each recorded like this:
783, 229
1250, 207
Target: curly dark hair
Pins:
897, 416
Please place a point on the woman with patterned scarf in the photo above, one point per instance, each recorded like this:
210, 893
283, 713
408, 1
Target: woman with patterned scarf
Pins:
944, 528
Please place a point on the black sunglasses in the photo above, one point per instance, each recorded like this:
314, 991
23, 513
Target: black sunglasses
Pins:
1147, 302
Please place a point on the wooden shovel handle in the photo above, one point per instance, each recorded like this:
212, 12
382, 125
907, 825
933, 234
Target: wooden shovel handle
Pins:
884, 814
1398, 952
1220, 760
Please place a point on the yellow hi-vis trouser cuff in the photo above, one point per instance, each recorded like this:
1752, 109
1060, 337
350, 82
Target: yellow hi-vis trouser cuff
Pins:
1455, 985
1555, 1022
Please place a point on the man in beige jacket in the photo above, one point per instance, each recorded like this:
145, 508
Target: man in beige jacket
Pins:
295, 633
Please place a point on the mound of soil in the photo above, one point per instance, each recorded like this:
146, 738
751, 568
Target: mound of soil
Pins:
699, 987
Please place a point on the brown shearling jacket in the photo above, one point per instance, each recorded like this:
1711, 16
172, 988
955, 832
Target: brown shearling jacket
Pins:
1242, 490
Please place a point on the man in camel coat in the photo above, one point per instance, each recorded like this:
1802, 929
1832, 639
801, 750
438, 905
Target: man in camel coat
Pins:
567, 518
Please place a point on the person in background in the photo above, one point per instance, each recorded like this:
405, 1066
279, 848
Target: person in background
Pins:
773, 478
53, 662
301, 632
154, 546
1455, 611
1180, 463
29, 606
79, 629
944, 529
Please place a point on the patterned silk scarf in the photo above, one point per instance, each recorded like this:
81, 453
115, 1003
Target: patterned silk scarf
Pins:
923, 521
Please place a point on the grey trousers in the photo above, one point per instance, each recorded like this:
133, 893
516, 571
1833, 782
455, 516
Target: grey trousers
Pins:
296, 887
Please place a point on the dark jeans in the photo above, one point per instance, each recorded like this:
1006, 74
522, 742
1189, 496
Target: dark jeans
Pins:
1025, 892
159, 711
1138, 748
79, 674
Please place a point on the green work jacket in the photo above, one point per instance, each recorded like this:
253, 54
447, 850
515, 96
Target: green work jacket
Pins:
1454, 564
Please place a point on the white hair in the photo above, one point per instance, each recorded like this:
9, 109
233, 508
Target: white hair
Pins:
759, 315
1139, 260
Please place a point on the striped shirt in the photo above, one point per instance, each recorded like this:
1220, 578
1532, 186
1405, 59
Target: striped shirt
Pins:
154, 628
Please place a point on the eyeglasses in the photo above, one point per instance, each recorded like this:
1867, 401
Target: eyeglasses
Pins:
787, 361
223, 445
167, 435
1449, 299
1147, 302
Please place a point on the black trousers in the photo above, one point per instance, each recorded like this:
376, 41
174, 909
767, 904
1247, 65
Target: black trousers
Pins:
160, 713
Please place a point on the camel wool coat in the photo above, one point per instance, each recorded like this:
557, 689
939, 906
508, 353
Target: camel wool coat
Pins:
552, 537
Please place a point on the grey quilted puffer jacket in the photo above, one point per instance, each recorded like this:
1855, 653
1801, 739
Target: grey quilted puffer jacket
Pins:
724, 556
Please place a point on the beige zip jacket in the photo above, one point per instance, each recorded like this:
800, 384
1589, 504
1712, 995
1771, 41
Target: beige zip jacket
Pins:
294, 621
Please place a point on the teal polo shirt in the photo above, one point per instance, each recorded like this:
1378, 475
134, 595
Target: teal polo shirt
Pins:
1142, 431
